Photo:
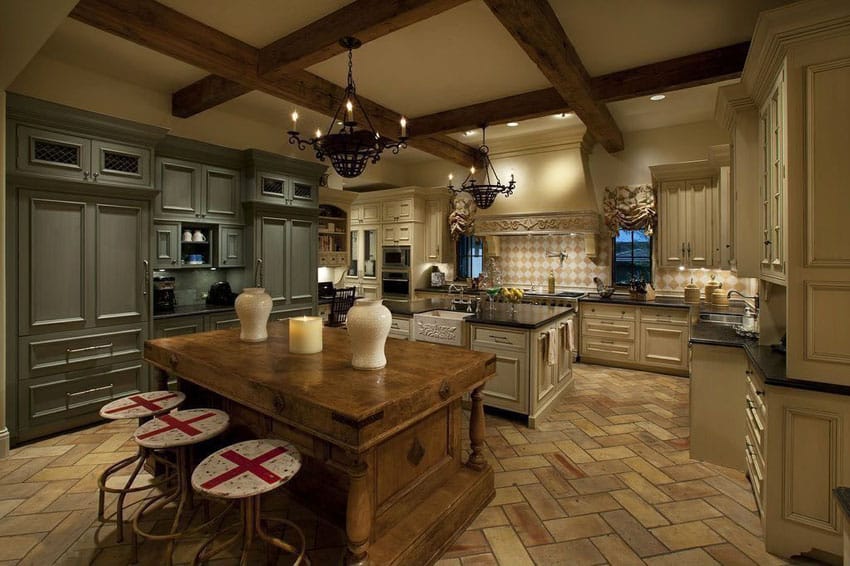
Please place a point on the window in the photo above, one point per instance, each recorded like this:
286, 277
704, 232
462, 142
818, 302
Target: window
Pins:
632, 257
470, 256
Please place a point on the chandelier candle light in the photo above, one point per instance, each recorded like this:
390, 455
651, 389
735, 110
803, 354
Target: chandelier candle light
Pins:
349, 148
484, 193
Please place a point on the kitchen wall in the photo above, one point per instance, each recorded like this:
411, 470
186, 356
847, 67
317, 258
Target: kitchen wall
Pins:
523, 262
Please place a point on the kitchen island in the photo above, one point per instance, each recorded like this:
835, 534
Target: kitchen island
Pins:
382, 449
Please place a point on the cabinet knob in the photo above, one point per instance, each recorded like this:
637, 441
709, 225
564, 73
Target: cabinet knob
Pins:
173, 262
86, 175
767, 242
95, 175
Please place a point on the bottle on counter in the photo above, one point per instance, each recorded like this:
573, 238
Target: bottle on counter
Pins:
551, 288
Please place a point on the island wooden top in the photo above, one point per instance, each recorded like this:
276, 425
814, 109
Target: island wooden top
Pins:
322, 392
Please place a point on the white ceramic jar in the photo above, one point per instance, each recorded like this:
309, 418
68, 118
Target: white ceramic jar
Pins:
253, 307
368, 324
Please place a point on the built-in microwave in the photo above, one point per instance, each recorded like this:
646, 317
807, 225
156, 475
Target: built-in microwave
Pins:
396, 257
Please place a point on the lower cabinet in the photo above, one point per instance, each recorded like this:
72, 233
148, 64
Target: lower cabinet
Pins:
648, 337
400, 327
177, 326
806, 456
525, 381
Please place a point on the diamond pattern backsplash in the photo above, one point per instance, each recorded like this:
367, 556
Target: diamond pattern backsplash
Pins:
523, 262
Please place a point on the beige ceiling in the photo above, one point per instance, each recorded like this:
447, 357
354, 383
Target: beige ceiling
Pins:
460, 57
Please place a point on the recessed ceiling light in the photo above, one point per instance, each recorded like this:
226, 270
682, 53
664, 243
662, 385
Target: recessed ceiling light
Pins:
657, 97
562, 115
512, 124
468, 133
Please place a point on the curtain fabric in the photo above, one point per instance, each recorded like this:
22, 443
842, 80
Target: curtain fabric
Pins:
631, 207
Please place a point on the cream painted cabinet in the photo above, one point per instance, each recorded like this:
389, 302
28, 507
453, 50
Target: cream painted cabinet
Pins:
689, 223
772, 179
436, 230
508, 387
664, 345
366, 213
399, 210
364, 268
400, 327
400, 234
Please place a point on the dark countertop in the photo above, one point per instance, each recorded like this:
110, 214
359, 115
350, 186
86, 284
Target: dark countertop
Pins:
526, 316
771, 366
481, 292
409, 308
714, 334
660, 301
188, 310
842, 495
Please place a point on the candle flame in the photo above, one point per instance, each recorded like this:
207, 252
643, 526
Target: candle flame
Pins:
403, 122
295, 115
318, 133
472, 170
349, 106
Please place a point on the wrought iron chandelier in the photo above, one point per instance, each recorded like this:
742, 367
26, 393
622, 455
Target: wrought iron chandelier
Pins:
350, 148
484, 193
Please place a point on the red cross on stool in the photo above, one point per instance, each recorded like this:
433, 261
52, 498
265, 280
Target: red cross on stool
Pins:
177, 430
140, 406
244, 472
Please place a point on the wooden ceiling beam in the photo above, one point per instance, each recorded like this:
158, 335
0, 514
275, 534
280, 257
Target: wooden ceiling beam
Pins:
535, 27
167, 31
673, 74
364, 19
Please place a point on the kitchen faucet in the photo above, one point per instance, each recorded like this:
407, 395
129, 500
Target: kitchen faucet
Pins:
755, 298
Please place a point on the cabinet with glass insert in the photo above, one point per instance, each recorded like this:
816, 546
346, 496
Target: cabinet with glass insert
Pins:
333, 236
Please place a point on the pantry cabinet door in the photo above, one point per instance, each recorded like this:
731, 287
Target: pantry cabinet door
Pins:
271, 248
302, 261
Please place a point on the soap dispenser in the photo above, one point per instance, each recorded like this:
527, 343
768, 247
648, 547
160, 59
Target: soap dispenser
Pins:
551, 288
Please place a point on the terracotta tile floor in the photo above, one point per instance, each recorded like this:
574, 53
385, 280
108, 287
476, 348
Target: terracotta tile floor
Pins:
605, 479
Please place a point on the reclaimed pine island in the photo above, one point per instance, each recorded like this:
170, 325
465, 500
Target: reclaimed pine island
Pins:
382, 448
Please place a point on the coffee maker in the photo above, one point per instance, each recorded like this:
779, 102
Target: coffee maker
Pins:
163, 294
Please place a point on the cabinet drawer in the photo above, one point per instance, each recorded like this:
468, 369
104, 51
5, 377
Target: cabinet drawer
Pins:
400, 328
221, 321
177, 326
48, 355
667, 316
615, 312
64, 398
756, 427
755, 392
755, 465
602, 328
594, 347
498, 337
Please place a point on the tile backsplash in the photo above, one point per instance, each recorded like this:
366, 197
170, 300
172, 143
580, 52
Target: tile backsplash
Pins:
524, 261
192, 285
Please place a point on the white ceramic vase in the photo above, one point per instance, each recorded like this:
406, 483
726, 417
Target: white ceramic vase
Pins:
253, 307
368, 324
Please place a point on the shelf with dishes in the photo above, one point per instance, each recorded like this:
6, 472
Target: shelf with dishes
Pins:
333, 236
181, 245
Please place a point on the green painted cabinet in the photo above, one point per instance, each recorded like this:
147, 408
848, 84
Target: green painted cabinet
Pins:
231, 246
193, 191
166, 245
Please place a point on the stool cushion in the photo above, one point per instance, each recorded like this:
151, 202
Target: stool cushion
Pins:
142, 405
246, 469
181, 428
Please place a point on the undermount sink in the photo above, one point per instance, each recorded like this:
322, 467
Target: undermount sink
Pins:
441, 327
721, 318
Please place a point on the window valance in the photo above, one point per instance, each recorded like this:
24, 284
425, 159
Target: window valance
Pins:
631, 207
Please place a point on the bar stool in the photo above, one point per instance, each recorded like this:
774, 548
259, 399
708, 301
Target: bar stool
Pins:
245, 471
141, 406
178, 431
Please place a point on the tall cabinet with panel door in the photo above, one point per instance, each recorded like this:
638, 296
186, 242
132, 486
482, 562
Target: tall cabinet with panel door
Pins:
78, 267
283, 230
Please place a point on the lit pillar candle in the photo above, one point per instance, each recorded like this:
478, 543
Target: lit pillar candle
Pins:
403, 127
349, 111
305, 335
294, 120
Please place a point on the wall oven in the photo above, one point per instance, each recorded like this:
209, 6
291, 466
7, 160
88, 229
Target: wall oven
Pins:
396, 257
395, 284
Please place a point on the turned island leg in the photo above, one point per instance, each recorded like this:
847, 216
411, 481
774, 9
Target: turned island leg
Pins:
358, 515
476, 431
161, 380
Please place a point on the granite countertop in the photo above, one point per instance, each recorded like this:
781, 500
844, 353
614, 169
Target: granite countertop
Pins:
409, 308
188, 310
770, 365
660, 301
714, 334
481, 292
526, 316
842, 495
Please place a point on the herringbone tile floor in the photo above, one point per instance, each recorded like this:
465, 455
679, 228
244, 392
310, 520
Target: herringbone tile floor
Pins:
606, 478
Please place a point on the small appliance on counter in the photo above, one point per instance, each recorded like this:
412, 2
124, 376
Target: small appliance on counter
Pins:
221, 295
326, 290
163, 295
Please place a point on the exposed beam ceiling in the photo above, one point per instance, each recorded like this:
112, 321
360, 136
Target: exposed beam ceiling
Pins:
536, 28
674, 74
366, 20
167, 31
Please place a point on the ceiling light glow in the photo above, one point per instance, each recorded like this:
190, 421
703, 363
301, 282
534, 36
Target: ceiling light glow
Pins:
512, 124
468, 133
562, 115
657, 97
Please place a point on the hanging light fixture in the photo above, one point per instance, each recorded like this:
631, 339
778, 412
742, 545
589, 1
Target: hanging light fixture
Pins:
484, 193
350, 148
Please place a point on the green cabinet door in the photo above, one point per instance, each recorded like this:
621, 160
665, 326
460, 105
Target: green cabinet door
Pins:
302, 261
166, 242
221, 195
120, 164
231, 247
180, 188
271, 247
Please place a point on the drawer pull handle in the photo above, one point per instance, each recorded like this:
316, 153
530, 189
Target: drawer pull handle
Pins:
69, 396
607, 341
69, 351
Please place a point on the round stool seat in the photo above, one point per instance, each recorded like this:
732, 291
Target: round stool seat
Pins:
247, 469
181, 428
142, 405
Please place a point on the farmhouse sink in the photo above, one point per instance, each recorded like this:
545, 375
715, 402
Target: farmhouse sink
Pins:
721, 318
441, 327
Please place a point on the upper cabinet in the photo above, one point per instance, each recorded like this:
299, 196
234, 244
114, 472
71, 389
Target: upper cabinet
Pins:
437, 248
366, 213
283, 181
772, 182
196, 191
401, 210
689, 225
